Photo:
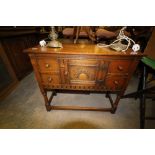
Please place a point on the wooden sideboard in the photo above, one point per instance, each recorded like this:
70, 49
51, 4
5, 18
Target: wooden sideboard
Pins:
82, 67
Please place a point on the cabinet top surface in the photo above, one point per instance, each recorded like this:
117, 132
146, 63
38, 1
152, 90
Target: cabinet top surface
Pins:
86, 49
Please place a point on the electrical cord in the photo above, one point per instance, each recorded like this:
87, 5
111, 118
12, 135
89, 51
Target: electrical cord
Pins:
121, 36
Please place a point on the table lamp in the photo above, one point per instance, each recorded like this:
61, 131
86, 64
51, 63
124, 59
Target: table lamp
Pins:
53, 37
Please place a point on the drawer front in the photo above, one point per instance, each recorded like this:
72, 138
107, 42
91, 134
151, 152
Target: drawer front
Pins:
48, 65
84, 62
115, 83
50, 79
119, 66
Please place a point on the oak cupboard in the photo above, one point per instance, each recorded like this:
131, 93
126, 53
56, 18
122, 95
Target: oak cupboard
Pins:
82, 67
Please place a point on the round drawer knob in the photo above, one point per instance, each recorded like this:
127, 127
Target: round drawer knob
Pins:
49, 79
116, 82
66, 72
120, 68
47, 65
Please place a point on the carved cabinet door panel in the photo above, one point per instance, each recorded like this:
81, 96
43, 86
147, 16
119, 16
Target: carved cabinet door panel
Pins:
84, 71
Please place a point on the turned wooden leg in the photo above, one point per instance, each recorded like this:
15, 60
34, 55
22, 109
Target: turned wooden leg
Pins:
54, 93
51, 97
48, 108
106, 94
113, 111
115, 104
48, 101
44, 93
47, 105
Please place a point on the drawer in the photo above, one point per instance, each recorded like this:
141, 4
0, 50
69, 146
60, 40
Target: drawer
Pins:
115, 83
50, 79
84, 62
119, 66
47, 64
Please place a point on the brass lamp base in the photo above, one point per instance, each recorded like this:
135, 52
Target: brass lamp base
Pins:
54, 44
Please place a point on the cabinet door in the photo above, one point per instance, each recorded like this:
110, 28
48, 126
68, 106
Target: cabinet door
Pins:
85, 71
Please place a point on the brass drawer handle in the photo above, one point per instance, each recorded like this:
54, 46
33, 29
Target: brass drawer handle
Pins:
66, 73
120, 68
47, 65
49, 79
116, 82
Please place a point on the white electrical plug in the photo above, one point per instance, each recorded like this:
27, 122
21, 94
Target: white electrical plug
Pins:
42, 43
135, 48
